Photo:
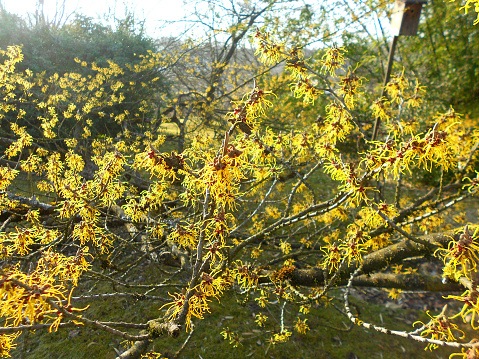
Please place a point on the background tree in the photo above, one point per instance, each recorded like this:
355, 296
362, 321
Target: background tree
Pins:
443, 53
108, 55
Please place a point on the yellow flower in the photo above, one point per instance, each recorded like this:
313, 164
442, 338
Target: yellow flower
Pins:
71, 142
333, 257
394, 293
300, 326
175, 306
256, 252
349, 87
15, 53
246, 275
396, 86
460, 258
285, 247
269, 51
381, 108
416, 99
272, 212
305, 89
185, 236
470, 307
152, 355
213, 286
262, 299
354, 248
467, 353
305, 242
333, 60
297, 68
6, 176
6, 344
470, 3
439, 328
261, 319
305, 308
231, 336
283, 336
473, 183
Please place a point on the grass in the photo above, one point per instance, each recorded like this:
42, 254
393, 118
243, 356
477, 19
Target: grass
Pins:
328, 338
331, 335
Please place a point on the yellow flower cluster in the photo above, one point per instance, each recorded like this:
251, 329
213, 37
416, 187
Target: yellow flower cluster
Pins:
210, 286
333, 60
440, 328
269, 51
468, 5
461, 256
246, 275
28, 298
434, 148
300, 326
7, 344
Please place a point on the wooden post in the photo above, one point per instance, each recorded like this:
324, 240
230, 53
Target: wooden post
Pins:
404, 21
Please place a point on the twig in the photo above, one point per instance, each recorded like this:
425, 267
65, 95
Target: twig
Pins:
418, 338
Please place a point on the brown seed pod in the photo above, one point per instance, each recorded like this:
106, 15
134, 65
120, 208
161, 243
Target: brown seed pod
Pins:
244, 127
